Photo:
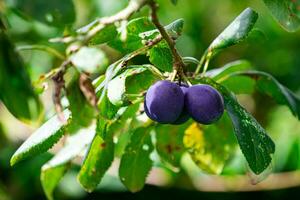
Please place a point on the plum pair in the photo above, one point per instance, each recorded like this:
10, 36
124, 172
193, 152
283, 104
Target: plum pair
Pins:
168, 103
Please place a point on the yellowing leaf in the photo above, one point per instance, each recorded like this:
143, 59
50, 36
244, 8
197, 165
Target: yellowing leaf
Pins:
194, 141
209, 146
193, 137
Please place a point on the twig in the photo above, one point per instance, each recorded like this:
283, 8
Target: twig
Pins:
142, 50
53, 72
178, 63
99, 24
133, 6
87, 89
59, 83
90, 30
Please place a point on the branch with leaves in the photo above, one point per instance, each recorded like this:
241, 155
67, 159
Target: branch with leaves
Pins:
178, 63
104, 119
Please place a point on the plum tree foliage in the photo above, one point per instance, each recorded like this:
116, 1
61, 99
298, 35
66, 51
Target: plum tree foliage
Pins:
104, 119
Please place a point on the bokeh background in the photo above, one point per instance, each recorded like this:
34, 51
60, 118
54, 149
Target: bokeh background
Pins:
273, 50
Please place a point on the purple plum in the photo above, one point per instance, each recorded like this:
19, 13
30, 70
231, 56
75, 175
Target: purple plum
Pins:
164, 102
204, 103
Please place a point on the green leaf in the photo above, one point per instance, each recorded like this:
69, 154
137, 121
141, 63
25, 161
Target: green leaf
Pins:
41, 140
236, 32
89, 59
50, 177
254, 142
131, 82
97, 82
256, 145
210, 146
17, 93
161, 56
240, 84
116, 91
128, 39
106, 108
99, 157
123, 139
169, 142
136, 163
107, 34
82, 112
124, 126
228, 69
141, 79
101, 83
138, 83
267, 84
131, 37
174, 29
286, 13
115, 69
75, 145
54, 169
54, 12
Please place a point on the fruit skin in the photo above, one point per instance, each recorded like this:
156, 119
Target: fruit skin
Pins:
204, 103
184, 116
164, 102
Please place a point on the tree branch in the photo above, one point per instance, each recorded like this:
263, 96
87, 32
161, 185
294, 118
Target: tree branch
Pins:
177, 62
90, 30
133, 6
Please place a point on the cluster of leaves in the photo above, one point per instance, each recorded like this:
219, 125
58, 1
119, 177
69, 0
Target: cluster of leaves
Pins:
115, 127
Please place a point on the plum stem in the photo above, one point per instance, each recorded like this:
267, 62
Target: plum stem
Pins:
177, 60
173, 76
186, 80
206, 63
200, 64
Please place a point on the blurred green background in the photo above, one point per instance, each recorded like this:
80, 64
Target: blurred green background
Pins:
275, 51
